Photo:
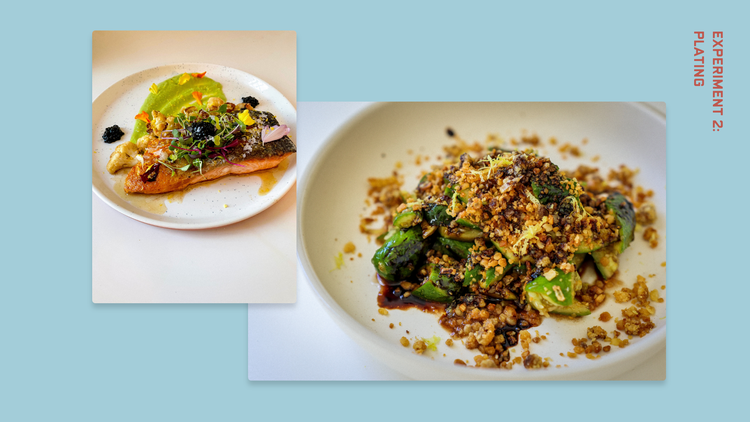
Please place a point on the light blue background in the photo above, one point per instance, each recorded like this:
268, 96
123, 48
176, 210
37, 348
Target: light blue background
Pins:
61, 357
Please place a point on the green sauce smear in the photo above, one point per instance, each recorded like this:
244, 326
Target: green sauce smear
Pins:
171, 97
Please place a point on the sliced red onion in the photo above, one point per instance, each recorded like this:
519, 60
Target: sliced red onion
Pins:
274, 133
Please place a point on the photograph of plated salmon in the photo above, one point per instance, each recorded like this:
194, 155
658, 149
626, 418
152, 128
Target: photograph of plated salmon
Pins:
200, 144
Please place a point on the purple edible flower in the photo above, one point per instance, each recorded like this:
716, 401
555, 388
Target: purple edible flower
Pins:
274, 133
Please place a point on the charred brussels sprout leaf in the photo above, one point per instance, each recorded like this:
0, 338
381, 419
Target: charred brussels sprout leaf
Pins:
437, 215
625, 215
444, 281
466, 223
556, 295
432, 293
407, 218
437, 287
456, 247
548, 193
558, 291
472, 275
607, 259
398, 257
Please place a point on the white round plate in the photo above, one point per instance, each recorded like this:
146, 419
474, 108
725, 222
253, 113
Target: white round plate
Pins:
202, 207
334, 189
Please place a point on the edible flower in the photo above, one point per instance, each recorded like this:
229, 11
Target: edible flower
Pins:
273, 133
245, 118
153, 89
198, 96
143, 116
183, 79
198, 75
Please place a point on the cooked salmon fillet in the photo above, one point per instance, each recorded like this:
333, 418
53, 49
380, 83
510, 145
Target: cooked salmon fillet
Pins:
249, 154
165, 182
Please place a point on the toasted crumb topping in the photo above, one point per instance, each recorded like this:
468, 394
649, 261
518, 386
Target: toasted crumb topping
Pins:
532, 218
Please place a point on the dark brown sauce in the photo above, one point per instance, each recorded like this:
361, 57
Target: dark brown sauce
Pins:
391, 296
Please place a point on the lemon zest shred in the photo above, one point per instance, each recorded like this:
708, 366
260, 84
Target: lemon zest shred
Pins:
339, 259
432, 342
527, 236
532, 198
452, 209
494, 164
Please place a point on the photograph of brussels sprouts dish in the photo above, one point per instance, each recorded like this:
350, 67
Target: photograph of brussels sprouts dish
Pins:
494, 241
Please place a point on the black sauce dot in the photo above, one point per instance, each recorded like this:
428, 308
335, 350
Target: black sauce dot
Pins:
450, 132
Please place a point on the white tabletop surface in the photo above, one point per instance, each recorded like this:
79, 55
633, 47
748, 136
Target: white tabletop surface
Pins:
300, 341
253, 261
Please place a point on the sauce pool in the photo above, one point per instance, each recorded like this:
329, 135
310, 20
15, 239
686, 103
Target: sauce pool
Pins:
391, 296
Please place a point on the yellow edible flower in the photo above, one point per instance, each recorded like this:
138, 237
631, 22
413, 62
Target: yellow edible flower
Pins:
184, 78
245, 118
153, 89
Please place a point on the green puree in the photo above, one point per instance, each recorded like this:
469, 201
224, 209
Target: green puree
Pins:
172, 97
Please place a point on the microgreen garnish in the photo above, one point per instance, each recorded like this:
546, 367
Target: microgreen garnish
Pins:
189, 148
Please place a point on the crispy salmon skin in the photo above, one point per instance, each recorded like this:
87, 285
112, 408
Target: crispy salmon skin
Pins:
164, 182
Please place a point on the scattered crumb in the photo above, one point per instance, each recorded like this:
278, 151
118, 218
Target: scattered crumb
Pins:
349, 248
404, 341
382, 311
419, 347
651, 236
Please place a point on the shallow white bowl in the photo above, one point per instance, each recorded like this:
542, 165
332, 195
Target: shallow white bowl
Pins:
334, 187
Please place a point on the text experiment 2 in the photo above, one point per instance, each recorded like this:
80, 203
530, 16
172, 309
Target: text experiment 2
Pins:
717, 71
